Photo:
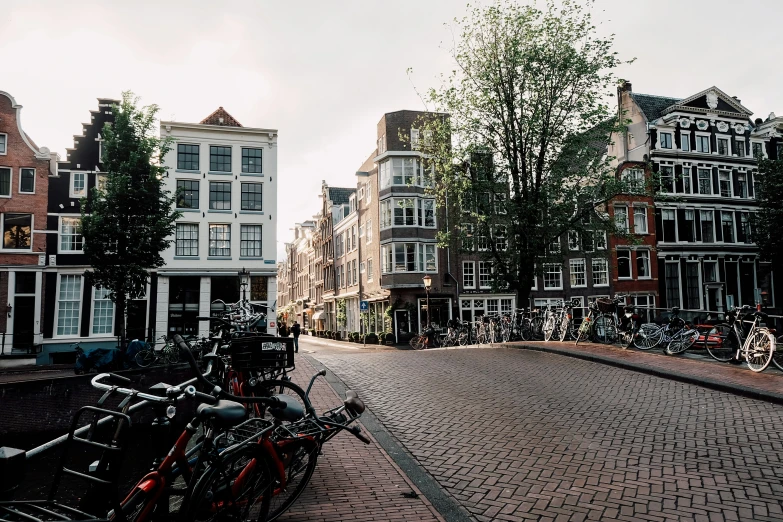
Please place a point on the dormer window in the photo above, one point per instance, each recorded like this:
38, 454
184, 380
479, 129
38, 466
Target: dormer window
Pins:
666, 140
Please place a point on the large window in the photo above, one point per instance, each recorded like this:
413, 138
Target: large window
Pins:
686, 180
404, 171
386, 213
405, 257
666, 140
667, 179
635, 179
640, 220
573, 238
553, 277
742, 185
27, 181
369, 270
578, 273
187, 239
705, 181
219, 158
252, 196
600, 272
78, 184
739, 148
702, 143
724, 180
427, 213
624, 264
672, 284
409, 257
187, 156
758, 150
710, 271
467, 231
404, 212
220, 240
685, 141
727, 226
643, 264
384, 173
220, 195
723, 146
250, 241
17, 231
692, 284
251, 161
427, 260
102, 313
70, 235
745, 227
688, 230
501, 242
485, 274
468, 274
187, 193
368, 232
621, 218
668, 225
68, 301
5, 181
707, 228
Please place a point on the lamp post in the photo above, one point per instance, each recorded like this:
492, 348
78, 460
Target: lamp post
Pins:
427, 285
243, 275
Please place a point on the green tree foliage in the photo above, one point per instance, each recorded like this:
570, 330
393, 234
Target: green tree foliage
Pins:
769, 221
130, 221
522, 156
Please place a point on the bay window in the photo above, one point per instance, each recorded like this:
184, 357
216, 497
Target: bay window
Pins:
408, 257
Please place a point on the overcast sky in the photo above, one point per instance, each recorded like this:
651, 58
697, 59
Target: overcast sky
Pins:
323, 73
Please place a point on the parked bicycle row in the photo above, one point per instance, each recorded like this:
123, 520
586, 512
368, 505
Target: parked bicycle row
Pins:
246, 455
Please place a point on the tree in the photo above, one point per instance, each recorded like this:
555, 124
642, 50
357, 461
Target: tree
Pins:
128, 223
522, 156
769, 221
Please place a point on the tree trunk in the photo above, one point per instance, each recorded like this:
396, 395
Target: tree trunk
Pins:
121, 305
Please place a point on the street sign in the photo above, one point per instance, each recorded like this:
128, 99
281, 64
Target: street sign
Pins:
364, 306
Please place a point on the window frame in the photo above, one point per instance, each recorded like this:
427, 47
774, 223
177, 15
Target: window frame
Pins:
243, 227
10, 181
666, 174
220, 155
60, 234
711, 221
646, 228
21, 171
663, 142
626, 223
72, 185
486, 268
93, 302
630, 264
699, 171
210, 239
605, 270
223, 201
198, 193
242, 198
369, 269
685, 137
197, 154
644, 254
723, 138
32, 232
79, 294
728, 181
177, 239
730, 214
547, 272
260, 165
699, 137
472, 265
571, 272
4, 142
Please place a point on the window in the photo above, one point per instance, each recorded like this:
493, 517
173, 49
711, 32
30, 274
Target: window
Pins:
707, 230
624, 264
482, 240
724, 181
500, 203
692, 284
368, 232
187, 193
427, 261
3, 141
588, 240
635, 179
686, 180
404, 212
685, 141
351, 204
468, 274
746, 229
554, 246
702, 143
485, 274
251, 160
369, 270
688, 230
187, 240
219, 158
361, 232
252, 196
666, 140
553, 277
405, 257
578, 274
705, 181
758, 150
353, 238
187, 157
501, 242
220, 195
78, 184
669, 225
5, 181
742, 185
600, 272
780, 151
672, 284
427, 214
739, 148
404, 171
355, 273
640, 220
643, 264
70, 235
387, 252
220, 240
17, 231
414, 138
250, 241
386, 213
573, 240
727, 226
621, 218
710, 271
723, 146
600, 240
27, 181
68, 301
667, 179
102, 312
382, 144
384, 170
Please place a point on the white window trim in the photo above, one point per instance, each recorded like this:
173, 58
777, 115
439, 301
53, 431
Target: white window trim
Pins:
606, 265
5, 146
676, 226
32, 233
671, 139
726, 137
584, 271
763, 148
59, 234
701, 283
730, 180
679, 278
709, 145
19, 187
732, 214
646, 218
649, 264
698, 180
71, 193
712, 210
543, 278
627, 221
573, 233
92, 317
57, 305
369, 269
630, 264
473, 265
689, 175
491, 271
685, 136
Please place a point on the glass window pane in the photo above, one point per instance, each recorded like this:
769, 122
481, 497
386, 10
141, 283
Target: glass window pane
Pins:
252, 196
70, 235
251, 160
5, 181
187, 193
219, 159
69, 299
187, 157
250, 241
17, 229
219, 195
220, 240
27, 181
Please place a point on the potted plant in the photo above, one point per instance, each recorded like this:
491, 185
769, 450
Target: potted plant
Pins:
371, 338
337, 336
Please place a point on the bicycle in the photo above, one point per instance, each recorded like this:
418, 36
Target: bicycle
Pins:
727, 342
427, 339
677, 335
169, 354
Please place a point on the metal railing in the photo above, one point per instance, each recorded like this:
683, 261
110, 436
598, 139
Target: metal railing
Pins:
7, 345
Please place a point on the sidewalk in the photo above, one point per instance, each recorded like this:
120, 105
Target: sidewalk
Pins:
706, 372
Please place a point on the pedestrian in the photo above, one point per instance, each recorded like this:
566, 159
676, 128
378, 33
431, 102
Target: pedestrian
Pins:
283, 330
296, 330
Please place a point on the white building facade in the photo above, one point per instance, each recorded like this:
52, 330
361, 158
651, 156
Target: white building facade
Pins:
225, 178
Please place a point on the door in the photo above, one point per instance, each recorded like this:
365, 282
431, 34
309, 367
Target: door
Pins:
24, 310
715, 299
402, 323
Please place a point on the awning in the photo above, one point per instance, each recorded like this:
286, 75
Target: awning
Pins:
317, 316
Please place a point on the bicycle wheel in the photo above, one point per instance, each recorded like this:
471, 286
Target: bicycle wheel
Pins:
294, 396
299, 457
525, 331
760, 349
463, 340
721, 342
649, 336
604, 329
566, 329
537, 328
238, 488
505, 334
549, 328
681, 341
777, 356
144, 358
171, 354
583, 332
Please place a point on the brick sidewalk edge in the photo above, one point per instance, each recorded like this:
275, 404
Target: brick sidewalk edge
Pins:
442, 505
706, 382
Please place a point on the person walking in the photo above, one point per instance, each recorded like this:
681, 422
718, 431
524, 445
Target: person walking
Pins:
296, 330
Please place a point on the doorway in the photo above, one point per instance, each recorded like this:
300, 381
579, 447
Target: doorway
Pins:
715, 299
440, 312
24, 310
402, 324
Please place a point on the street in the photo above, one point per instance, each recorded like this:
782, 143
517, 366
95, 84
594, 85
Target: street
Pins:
522, 435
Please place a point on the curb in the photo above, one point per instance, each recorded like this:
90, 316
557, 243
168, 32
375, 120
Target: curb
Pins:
714, 384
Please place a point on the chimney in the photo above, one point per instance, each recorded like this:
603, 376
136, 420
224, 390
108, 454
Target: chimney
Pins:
625, 85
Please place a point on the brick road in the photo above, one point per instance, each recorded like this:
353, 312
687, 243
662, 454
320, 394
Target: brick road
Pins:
353, 481
522, 435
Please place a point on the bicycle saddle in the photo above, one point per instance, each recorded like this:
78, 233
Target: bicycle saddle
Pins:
761, 315
291, 412
353, 403
224, 414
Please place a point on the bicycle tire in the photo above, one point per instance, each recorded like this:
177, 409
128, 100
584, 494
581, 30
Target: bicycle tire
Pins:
681, 341
299, 471
583, 332
721, 342
537, 328
648, 337
777, 356
212, 500
604, 329
760, 349
272, 387
525, 332
172, 354
144, 358
549, 328
566, 329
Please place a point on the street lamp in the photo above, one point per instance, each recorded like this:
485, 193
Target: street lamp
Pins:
427, 286
243, 275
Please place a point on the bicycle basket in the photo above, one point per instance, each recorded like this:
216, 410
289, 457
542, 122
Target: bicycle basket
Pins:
257, 352
605, 306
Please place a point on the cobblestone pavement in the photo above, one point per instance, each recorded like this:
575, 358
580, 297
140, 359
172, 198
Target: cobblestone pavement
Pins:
353, 481
523, 435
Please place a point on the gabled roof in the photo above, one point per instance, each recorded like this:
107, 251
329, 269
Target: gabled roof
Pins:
340, 196
221, 117
653, 106
730, 101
